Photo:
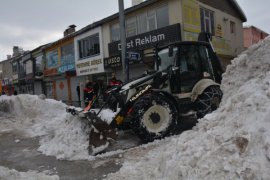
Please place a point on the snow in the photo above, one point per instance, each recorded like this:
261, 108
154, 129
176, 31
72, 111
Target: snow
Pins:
231, 143
61, 134
7, 174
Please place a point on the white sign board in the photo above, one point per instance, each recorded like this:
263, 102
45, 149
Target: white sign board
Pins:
92, 64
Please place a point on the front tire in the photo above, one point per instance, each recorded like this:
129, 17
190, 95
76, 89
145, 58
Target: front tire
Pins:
208, 101
154, 116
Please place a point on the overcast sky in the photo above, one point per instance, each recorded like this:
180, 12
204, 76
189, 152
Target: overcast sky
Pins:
31, 23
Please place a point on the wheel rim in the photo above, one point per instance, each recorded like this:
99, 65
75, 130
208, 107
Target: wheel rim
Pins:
156, 119
215, 102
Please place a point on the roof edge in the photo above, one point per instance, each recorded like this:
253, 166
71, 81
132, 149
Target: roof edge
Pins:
242, 14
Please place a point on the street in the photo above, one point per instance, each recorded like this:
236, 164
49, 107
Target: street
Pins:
20, 153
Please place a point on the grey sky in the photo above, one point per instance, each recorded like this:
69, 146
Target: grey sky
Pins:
31, 23
257, 13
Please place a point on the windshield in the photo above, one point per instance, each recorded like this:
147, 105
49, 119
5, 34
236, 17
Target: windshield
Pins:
164, 58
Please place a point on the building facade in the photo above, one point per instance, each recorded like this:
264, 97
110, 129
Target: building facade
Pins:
166, 21
253, 35
6, 77
60, 78
94, 52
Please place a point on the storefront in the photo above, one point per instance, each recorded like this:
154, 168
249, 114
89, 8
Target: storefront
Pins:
89, 55
26, 78
39, 64
6, 87
137, 49
60, 79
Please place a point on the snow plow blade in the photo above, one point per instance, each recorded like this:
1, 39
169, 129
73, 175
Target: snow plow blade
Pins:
101, 134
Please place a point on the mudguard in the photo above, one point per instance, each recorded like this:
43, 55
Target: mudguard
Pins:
200, 87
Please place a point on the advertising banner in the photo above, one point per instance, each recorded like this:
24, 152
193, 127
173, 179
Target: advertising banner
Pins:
143, 41
191, 16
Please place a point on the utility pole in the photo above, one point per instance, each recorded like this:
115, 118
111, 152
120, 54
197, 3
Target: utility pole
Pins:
123, 39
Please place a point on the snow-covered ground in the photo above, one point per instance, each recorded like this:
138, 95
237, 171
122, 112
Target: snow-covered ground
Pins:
9, 174
231, 143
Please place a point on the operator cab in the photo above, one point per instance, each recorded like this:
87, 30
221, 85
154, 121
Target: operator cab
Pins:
189, 62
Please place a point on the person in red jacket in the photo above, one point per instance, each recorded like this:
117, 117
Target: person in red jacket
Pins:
88, 93
113, 82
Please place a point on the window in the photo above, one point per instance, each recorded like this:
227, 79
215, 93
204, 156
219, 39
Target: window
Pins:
67, 54
142, 23
232, 27
147, 21
52, 59
207, 21
14, 67
162, 17
151, 20
89, 46
39, 64
29, 67
131, 27
115, 32
165, 59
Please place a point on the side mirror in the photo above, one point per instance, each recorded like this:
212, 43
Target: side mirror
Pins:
170, 51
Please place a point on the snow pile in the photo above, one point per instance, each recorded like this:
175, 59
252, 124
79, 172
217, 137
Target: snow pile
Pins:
62, 135
231, 143
7, 174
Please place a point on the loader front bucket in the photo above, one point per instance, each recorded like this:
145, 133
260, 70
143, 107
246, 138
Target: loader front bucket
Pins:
101, 134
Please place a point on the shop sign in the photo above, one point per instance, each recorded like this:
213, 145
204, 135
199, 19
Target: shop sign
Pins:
50, 72
15, 81
148, 40
113, 62
66, 67
116, 61
134, 56
90, 67
219, 32
191, 16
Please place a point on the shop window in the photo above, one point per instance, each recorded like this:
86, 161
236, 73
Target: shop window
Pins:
89, 46
207, 21
232, 27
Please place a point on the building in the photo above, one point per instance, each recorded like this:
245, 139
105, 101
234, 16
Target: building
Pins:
156, 21
6, 76
94, 51
38, 61
59, 73
1, 77
253, 35
18, 70
25, 75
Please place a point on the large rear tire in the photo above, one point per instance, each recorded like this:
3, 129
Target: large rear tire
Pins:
208, 101
154, 116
